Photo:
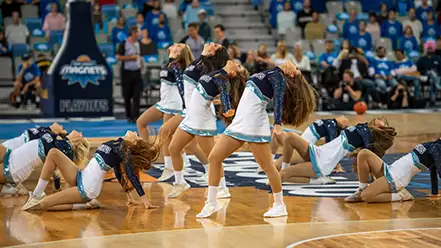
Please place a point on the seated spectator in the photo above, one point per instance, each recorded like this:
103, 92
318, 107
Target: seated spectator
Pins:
430, 66
431, 28
46, 7
251, 62
264, 61
147, 6
384, 14
170, 9
8, 7
314, 30
16, 33
191, 13
219, 30
146, 45
392, 29
43, 63
119, 33
161, 32
350, 27
363, 39
423, 10
204, 28
4, 48
152, 17
194, 41
140, 21
408, 42
414, 23
304, 16
300, 60
282, 55
406, 71
236, 54
345, 44
285, 19
373, 28
327, 58
383, 71
347, 94
399, 97
54, 21
275, 7
97, 15
27, 82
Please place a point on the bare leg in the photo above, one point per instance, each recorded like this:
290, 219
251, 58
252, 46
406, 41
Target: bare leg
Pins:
262, 154
2, 153
299, 173
167, 131
295, 159
179, 141
367, 163
206, 144
60, 201
56, 159
152, 114
378, 191
194, 149
223, 148
294, 141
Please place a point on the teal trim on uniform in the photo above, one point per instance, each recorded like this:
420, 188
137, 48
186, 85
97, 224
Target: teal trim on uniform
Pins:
101, 162
167, 111
346, 145
6, 169
189, 80
41, 153
390, 180
167, 82
417, 163
197, 132
26, 136
250, 84
312, 128
248, 138
80, 187
314, 163
204, 94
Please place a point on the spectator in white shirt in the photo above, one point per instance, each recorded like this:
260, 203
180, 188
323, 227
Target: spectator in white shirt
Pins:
16, 33
285, 19
414, 23
282, 55
301, 61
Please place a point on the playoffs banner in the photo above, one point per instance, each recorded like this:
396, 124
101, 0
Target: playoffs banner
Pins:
79, 81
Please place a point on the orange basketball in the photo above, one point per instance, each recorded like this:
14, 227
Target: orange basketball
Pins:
360, 108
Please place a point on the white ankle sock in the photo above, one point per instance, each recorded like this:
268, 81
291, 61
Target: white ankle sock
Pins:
205, 167
278, 198
362, 185
41, 186
284, 165
313, 180
179, 177
222, 183
168, 162
395, 197
212, 194
274, 156
79, 206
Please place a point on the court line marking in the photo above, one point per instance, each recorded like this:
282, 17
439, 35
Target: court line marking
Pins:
360, 233
223, 227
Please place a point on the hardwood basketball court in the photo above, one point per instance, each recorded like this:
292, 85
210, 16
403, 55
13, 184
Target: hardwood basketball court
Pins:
312, 221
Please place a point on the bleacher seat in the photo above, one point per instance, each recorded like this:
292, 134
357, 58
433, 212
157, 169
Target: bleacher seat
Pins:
110, 11
334, 7
29, 10
33, 23
7, 21
110, 26
124, 2
162, 45
101, 38
353, 5
292, 35
151, 58
6, 69
111, 60
126, 13
37, 33
19, 49
304, 44
363, 16
36, 39
311, 55
41, 47
175, 25
106, 49
342, 16
386, 43
17, 61
318, 46
127, 6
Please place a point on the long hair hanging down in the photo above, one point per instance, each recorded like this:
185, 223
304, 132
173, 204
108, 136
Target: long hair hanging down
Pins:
80, 148
185, 58
215, 62
236, 88
299, 100
140, 155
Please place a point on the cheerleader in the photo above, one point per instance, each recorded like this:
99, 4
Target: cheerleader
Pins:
19, 163
391, 180
377, 136
126, 156
213, 57
294, 101
324, 128
200, 121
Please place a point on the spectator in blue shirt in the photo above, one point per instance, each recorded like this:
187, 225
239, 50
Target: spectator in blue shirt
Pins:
403, 6
431, 28
327, 58
350, 27
161, 32
405, 71
408, 42
392, 29
363, 39
27, 82
423, 10
119, 33
275, 7
152, 17
191, 13
382, 70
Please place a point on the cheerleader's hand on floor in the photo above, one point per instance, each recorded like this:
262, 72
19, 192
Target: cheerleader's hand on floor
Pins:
229, 113
278, 131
